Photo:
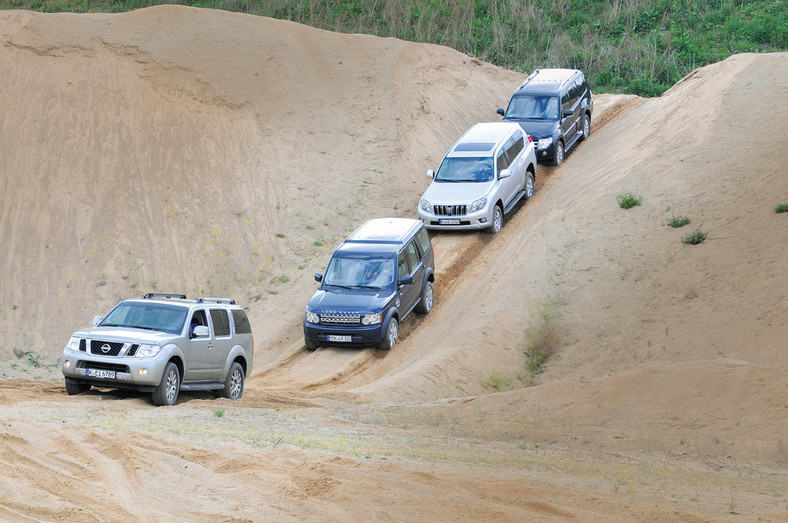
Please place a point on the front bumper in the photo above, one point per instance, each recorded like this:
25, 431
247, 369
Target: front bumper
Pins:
472, 221
130, 372
360, 335
545, 155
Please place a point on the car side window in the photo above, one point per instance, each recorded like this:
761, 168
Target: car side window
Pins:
511, 149
413, 256
221, 324
403, 269
198, 318
423, 238
241, 321
501, 162
520, 144
565, 102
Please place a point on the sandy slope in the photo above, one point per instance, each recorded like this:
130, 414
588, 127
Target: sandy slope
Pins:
213, 153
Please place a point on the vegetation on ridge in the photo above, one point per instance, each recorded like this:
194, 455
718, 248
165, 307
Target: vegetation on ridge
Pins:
630, 46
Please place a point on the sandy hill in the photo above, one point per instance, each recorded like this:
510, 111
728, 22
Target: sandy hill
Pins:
212, 153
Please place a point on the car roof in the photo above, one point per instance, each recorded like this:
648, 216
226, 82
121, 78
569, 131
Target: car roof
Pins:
546, 81
180, 299
384, 231
482, 139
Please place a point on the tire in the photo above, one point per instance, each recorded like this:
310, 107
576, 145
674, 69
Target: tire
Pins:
529, 185
167, 391
586, 127
559, 153
234, 384
427, 298
310, 345
497, 220
74, 387
390, 338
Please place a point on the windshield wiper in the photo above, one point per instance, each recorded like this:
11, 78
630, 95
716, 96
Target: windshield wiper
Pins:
373, 287
337, 285
142, 327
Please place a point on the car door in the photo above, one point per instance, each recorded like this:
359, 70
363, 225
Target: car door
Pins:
568, 117
199, 350
506, 186
517, 161
409, 264
223, 342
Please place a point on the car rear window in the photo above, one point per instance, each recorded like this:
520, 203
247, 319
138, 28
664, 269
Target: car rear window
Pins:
242, 325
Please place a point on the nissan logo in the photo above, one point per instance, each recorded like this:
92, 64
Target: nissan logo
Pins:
106, 348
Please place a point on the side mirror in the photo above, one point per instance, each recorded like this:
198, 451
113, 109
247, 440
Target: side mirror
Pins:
500, 111
200, 331
504, 174
567, 113
318, 277
431, 173
406, 280
97, 320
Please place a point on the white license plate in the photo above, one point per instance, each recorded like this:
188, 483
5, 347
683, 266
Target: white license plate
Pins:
338, 338
101, 373
449, 222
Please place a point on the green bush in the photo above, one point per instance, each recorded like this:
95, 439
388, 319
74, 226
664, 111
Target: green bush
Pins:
783, 207
695, 238
542, 338
678, 221
627, 201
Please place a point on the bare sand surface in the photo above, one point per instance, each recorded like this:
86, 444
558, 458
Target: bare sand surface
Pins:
211, 153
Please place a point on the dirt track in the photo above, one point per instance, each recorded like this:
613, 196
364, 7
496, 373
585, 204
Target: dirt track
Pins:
192, 150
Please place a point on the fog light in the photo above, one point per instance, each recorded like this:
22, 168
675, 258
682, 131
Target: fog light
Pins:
482, 220
67, 364
143, 372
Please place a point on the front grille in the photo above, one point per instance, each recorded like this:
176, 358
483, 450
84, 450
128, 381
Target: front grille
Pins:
82, 364
449, 210
83, 345
98, 347
340, 319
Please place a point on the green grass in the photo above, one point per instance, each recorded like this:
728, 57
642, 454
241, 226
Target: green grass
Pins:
678, 221
218, 412
627, 201
542, 337
783, 207
695, 238
497, 382
639, 47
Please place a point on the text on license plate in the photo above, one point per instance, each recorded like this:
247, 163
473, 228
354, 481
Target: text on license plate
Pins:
101, 373
449, 222
336, 337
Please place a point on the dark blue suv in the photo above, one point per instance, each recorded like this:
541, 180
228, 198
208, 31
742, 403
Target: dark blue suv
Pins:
380, 273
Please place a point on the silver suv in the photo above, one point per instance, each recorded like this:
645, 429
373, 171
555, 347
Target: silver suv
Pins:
163, 343
485, 173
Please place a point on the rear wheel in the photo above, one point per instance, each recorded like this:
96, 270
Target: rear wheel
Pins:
497, 220
586, 126
390, 338
76, 387
529, 185
427, 298
234, 384
559, 153
167, 391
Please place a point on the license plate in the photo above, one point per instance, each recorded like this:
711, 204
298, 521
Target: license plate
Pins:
449, 222
101, 373
338, 338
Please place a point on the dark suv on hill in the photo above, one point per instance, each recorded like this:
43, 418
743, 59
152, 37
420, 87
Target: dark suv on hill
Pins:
554, 107
380, 273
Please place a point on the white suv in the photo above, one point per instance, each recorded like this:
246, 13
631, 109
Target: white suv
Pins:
490, 168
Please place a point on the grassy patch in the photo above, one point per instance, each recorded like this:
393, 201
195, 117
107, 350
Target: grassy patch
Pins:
783, 207
542, 337
497, 382
218, 412
627, 201
678, 221
695, 238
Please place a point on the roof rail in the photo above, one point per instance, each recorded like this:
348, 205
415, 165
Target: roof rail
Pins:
204, 299
536, 71
154, 295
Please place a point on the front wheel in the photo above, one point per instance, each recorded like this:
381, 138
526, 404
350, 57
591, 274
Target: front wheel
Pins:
310, 345
234, 385
559, 153
427, 298
76, 387
529, 185
497, 220
586, 126
390, 338
167, 391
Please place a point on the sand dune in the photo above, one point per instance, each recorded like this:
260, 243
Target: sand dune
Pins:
213, 153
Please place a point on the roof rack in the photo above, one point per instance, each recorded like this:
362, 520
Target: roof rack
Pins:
204, 299
529, 78
154, 295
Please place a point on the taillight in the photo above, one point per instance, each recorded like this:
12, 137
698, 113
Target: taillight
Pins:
530, 139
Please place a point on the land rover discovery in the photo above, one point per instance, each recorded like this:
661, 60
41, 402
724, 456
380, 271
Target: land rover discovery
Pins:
380, 273
162, 344
554, 107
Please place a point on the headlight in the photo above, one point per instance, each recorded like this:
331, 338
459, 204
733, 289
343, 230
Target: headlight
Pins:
478, 205
73, 343
371, 319
146, 350
425, 205
544, 143
311, 317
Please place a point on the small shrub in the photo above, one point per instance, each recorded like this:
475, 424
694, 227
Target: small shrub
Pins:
678, 221
318, 242
695, 238
497, 382
218, 412
626, 201
280, 235
542, 338
783, 207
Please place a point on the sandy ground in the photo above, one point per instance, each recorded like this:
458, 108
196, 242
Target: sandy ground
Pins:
211, 153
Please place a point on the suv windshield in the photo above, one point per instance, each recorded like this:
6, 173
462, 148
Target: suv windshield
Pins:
533, 108
150, 316
374, 273
465, 170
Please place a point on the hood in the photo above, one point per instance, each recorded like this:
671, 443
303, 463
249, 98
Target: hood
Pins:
124, 334
538, 128
448, 193
348, 301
